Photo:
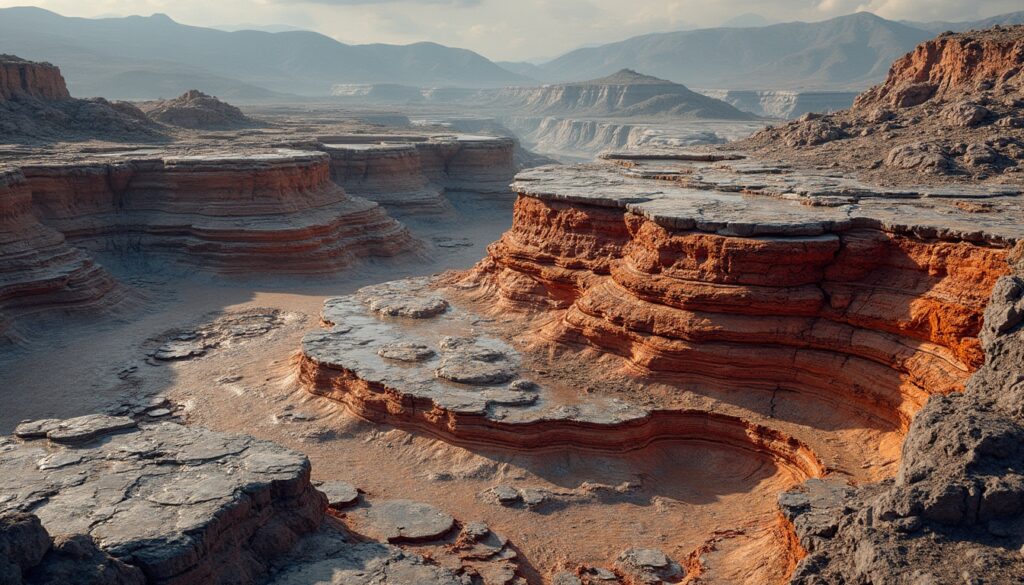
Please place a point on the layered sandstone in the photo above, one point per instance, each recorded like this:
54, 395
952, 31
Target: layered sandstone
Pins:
410, 175
21, 78
39, 270
276, 211
717, 290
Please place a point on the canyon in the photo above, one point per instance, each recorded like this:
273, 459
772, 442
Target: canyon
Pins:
335, 346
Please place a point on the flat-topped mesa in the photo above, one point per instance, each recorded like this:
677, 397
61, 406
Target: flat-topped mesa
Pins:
877, 304
411, 176
277, 211
20, 78
39, 271
952, 65
622, 94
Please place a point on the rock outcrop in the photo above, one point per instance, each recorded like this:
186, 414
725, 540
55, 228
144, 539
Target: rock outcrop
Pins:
783, 103
411, 176
35, 106
20, 78
160, 504
950, 111
955, 510
724, 278
198, 111
268, 211
272, 210
623, 94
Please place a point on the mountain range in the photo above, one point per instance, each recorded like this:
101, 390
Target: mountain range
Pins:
149, 57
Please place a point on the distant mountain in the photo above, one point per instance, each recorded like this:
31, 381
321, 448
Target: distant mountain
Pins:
746, 20
941, 26
624, 94
146, 57
847, 52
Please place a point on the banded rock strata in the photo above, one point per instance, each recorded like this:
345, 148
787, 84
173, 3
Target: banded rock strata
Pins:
272, 211
411, 176
716, 278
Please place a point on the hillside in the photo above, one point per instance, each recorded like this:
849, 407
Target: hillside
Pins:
150, 57
623, 94
846, 52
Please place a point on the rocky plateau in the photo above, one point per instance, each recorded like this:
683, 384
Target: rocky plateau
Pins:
777, 360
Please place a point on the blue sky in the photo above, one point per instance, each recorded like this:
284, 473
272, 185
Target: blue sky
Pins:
512, 29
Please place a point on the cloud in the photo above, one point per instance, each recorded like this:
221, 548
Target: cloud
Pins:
378, 2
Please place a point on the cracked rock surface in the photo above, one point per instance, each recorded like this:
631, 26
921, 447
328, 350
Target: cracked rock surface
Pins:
181, 505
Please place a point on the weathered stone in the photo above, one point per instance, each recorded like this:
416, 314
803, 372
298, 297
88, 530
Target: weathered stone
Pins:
648, 566
172, 502
339, 494
88, 427
405, 352
36, 429
405, 521
965, 114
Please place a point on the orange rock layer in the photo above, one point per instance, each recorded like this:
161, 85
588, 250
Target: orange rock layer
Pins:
882, 320
384, 405
19, 78
954, 65
282, 215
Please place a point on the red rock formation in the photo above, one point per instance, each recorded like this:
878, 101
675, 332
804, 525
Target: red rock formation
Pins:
952, 65
276, 212
39, 271
20, 78
865, 316
378, 403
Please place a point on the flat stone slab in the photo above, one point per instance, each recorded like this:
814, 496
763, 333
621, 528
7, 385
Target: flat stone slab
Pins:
756, 198
88, 427
339, 493
163, 497
469, 371
404, 521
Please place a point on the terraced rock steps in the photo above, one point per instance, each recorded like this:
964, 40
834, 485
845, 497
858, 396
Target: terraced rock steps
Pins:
261, 211
409, 175
792, 318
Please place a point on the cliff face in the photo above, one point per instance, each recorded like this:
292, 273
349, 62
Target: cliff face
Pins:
950, 66
39, 270
949, 112
412, 177
624, 94
20, 78
866, 316
267, 212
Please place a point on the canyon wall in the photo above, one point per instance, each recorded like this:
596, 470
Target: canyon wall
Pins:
882, 319
412, 176
783, 104
270, 211
20, 78
39, 270
275, 212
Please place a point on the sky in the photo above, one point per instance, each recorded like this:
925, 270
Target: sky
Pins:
512, 30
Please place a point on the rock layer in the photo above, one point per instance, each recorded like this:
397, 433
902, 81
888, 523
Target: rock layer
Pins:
180, 506
274, 211
880, 317
21, 78
412, 176
39, 270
